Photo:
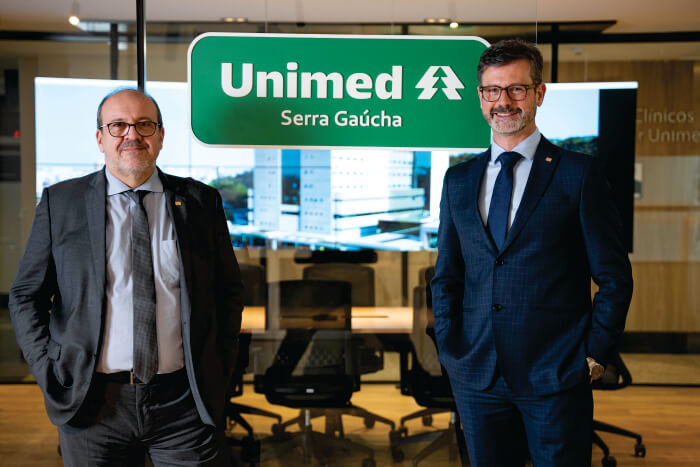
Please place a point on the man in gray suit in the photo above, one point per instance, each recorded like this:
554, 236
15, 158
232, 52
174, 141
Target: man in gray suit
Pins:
127, 303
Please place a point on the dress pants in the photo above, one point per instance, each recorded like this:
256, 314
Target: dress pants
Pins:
500, 427
119, 423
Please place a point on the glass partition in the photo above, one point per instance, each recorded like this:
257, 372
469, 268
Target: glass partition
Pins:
663, 316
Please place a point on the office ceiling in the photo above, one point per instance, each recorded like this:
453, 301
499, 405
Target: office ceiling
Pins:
628, 16
631, 16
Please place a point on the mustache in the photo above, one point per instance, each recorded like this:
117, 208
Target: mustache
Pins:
505, 109
131, 144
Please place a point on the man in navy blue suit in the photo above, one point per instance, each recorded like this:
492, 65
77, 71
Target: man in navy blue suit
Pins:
523, 229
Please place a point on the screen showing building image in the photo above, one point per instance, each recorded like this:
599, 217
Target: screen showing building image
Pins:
274, 198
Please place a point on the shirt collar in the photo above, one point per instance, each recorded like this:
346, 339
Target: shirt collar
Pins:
116, 186
526, 147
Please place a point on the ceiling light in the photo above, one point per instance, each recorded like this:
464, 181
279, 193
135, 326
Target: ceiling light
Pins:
454, 24
441, 21
74, 17
241, 20
227, 20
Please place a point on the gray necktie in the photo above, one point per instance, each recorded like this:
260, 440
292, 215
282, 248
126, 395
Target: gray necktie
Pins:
144, 291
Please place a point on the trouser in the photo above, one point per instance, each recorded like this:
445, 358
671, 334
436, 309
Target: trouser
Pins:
119, 423
500, 427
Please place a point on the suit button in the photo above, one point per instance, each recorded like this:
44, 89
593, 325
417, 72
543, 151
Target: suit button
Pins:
500, 262
497, 307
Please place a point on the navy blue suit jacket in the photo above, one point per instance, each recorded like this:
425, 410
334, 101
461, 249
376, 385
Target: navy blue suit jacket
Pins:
527, 309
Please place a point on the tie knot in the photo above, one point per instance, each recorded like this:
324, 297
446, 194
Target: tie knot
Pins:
137, 196
508, 159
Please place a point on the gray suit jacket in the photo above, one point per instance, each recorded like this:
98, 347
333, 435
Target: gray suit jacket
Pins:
57, 301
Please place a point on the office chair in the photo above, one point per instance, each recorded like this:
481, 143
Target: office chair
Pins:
423, 378
253, 277
616, 376
250, 447
315, 367
254, 283
361, 278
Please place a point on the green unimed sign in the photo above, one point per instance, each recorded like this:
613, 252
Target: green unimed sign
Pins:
303, 91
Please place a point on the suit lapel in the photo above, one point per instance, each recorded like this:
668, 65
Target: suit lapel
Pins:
543, 165
95, 205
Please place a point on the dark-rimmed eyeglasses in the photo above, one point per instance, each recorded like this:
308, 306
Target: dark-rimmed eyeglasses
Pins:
120, 129
517, 92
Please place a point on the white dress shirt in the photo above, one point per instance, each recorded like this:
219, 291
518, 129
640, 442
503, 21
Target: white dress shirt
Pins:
521, 172
118, 334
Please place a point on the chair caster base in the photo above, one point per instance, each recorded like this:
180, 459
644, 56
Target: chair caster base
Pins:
640, 450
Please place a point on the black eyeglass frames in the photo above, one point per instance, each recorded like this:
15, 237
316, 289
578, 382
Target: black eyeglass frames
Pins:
144, 128
517, 92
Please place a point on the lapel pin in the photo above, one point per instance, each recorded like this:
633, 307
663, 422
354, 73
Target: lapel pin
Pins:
178, 203
548, 159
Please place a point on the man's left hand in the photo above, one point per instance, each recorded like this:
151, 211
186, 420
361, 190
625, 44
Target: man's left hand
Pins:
595, 369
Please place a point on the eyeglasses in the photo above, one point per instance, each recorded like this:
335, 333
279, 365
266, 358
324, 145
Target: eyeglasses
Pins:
517, 92
120, 129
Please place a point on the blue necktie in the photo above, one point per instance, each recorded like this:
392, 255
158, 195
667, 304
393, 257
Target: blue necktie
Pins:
500, 199
144, 291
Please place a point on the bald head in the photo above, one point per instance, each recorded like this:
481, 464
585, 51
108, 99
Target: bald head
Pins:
129, 90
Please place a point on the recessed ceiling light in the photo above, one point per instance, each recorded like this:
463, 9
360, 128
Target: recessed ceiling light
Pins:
438, 20
74, 17
454, 24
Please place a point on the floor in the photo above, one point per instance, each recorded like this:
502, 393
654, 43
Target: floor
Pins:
667, 417
663, 405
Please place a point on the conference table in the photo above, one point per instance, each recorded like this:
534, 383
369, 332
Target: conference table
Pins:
387, 327
365, 320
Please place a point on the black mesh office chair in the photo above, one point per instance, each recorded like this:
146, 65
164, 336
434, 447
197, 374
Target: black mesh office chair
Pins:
250, 447
255, 283
315, 367
253, 277
361, 278
616, 376
423, 378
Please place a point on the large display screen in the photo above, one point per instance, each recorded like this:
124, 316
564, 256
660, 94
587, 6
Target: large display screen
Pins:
345, 199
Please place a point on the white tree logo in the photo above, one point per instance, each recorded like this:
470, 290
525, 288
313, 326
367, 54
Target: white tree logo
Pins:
450, 81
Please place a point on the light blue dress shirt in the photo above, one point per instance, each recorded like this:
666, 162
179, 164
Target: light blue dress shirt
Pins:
118, 336
521, 172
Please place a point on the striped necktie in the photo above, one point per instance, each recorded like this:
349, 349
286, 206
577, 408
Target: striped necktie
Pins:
144, 291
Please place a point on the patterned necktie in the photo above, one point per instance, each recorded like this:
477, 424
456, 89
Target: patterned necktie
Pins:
500, 199
144, 291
